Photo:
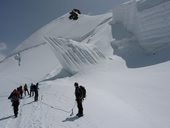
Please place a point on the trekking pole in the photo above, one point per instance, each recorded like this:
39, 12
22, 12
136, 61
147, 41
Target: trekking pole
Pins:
72, 112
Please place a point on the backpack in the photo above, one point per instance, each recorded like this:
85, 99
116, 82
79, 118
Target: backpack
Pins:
15, 97
83, 90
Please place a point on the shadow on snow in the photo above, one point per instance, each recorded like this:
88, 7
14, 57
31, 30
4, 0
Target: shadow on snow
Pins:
71, 118
127, 46
5, 118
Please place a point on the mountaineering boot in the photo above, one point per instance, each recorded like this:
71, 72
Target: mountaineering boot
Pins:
15, 115
79, 115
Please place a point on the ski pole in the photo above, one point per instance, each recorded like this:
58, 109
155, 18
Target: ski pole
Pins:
72, 113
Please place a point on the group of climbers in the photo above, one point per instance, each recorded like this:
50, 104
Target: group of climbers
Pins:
74, 14
17, 94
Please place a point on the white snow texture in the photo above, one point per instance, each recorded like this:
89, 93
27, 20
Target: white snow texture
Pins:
121, 57
150, 25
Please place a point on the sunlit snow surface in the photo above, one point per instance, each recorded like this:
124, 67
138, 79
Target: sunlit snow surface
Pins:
126, 88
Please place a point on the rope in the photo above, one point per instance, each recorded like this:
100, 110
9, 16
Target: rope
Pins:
57, 108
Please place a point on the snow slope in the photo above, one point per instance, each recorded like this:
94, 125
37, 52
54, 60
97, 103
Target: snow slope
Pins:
37, 51
62, 27
126, 88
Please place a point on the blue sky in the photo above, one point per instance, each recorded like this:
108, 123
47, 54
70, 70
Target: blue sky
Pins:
20, 18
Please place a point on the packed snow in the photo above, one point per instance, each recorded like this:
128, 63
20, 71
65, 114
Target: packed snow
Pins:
127, 81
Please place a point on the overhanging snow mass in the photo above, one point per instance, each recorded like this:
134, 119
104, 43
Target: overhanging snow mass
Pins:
73, 55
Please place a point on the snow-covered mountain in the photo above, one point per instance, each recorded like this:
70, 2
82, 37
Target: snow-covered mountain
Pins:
121, 59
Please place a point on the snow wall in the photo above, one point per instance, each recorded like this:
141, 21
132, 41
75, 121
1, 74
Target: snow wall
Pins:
150, 24
73, 55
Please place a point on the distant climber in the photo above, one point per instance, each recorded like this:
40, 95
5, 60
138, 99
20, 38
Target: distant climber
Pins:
36, 91
26, 89
32, 90
80, 95
74, 14
18, 58
14, 96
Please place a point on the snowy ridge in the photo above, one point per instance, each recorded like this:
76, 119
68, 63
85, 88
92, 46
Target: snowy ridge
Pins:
65, 28
1, 57
33, 66
151, 25
32, 49
35, 50
20, 51
73, 55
